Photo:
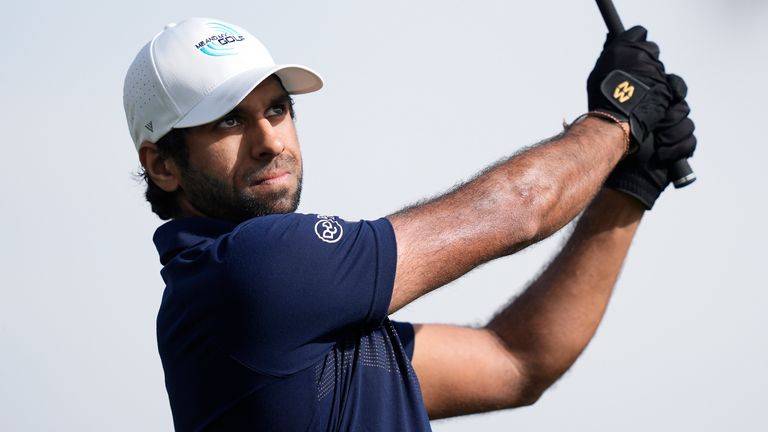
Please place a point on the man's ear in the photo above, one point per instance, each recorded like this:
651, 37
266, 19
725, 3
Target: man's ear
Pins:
163, 171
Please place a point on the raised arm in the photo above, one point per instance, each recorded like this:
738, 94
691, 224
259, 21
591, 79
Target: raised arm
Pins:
505, 208
531, 195
537, 337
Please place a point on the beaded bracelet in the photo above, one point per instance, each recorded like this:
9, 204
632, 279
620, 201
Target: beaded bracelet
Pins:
605, 116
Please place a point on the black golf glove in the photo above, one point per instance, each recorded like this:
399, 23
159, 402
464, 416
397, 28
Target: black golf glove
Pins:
674, 134
643, 174
629, 82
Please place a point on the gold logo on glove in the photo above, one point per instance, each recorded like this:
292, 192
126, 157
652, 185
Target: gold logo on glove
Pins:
624, 92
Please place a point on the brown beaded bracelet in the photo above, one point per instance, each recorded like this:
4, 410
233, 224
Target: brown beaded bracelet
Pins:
605, 116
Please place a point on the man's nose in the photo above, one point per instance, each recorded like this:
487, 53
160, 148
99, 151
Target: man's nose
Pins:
264, 141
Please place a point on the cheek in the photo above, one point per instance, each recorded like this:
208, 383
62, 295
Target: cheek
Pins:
218, 160
291, 140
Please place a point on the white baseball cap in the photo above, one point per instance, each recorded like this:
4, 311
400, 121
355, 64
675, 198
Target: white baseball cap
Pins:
197, 71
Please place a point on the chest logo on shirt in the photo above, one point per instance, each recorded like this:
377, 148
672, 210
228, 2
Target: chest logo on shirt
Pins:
328, 229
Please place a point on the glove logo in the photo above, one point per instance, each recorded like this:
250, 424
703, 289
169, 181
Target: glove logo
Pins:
328, 229
623, 92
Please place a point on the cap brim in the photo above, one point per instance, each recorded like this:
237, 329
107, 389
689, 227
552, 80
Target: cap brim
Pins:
295, 78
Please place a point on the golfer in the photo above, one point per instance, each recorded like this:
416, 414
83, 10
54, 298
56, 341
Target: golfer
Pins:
277, 321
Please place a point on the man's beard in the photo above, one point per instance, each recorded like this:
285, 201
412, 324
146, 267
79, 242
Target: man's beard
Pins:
217, 199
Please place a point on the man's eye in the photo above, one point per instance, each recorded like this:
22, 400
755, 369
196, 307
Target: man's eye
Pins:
276, 111
229, 122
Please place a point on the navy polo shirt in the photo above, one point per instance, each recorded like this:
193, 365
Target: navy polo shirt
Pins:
280, 324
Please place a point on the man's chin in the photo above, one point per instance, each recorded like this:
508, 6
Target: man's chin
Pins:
213, 198
278, 202
280, 207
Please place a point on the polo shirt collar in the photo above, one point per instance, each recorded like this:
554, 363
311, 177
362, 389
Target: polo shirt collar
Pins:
177, 235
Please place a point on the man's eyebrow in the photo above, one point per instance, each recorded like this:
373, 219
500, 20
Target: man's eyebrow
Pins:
284, 98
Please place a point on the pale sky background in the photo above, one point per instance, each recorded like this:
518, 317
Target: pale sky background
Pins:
418, 96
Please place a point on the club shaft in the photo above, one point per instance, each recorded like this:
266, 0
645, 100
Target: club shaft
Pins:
610, 16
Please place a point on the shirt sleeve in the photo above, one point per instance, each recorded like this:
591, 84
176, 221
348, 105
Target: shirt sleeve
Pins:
299, 283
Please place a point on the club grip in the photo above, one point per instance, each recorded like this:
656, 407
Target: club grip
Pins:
680, 172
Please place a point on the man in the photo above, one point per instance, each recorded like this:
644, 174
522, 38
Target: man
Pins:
273, 320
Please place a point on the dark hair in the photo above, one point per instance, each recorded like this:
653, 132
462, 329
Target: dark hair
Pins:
172, 145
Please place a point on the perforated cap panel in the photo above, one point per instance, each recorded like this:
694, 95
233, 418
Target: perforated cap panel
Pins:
148, 108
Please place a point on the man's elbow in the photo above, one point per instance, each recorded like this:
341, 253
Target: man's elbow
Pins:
522, 383
528, 213
526, 394
531, 394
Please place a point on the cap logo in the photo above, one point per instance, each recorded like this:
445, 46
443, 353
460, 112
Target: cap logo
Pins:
220, 41
149, 127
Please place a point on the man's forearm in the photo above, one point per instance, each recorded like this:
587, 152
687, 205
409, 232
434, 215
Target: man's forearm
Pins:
550, 324
509, 206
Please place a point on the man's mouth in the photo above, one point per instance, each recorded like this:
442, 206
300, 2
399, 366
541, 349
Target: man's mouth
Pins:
275, 178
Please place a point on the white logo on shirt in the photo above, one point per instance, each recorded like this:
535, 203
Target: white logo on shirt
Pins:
328, 229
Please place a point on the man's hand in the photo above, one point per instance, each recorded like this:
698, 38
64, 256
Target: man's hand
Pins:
674, 135
632, 54
643, 174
